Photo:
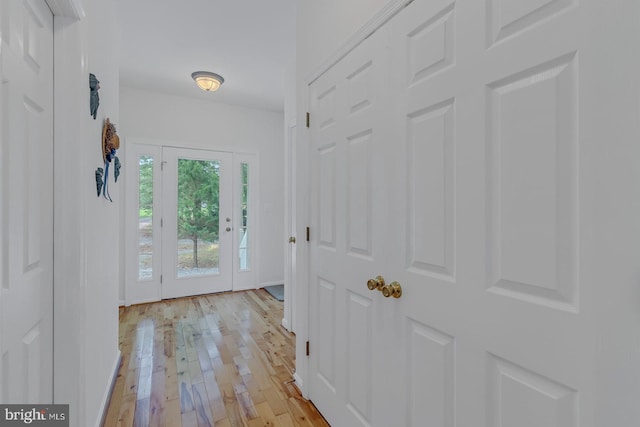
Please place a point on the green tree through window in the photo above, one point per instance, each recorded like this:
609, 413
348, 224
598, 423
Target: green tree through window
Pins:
198, 202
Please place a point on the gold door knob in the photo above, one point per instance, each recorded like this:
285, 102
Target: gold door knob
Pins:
377, 283
394, 290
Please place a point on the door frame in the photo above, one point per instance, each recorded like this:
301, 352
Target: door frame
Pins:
151, 291
290, 216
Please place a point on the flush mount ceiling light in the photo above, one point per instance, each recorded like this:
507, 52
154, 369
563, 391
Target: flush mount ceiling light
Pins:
207, 81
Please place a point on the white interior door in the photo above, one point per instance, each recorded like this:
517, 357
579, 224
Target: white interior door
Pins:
463, 176
26, 202
350, 152
197, 222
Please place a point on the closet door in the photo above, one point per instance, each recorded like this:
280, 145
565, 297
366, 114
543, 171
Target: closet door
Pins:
350, 235
446, 153
26, 202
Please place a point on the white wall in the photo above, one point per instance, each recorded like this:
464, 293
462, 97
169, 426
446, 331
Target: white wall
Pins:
188, 122
86, 247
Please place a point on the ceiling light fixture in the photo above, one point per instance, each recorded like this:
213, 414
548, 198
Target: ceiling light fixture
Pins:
207, 81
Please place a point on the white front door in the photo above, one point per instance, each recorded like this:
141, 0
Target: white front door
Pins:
197, 222
448, 154
26, 202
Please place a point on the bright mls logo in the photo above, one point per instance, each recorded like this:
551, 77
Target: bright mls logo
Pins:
37, 415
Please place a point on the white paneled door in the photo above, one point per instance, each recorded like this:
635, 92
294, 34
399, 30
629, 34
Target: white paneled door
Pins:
446, 153
26, 202
350, 158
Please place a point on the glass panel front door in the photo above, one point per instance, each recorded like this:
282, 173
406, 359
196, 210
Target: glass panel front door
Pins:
198, 214
197, 230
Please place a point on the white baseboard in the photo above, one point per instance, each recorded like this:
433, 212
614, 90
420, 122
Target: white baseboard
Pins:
285, 324
277, 282
143, 301
243, 288
106, 398
300, 385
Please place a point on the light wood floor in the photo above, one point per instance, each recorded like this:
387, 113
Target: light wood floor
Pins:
213, 360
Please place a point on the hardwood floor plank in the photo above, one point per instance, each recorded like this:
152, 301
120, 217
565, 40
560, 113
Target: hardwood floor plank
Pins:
203, 410
223, 423
219, 360
131, 382
231, 404
115, 402
214, 396
141, 417
126, 411
278, 405
284, 420
190, 419
172, 413
157, 403
267, 415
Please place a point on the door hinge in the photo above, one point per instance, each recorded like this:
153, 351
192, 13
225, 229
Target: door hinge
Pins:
162, 165
161, 222
308, 234
161, 279
308, 119
308, 348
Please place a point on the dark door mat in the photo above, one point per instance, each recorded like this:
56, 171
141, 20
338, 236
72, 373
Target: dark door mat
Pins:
276, 291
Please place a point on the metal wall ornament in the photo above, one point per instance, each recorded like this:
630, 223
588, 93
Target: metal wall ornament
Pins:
110, 143
99, 174
94, 98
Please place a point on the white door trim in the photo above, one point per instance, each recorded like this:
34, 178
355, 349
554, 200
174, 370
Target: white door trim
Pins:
290, 193
66, 9
378, 20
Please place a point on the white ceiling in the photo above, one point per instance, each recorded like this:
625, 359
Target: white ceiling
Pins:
248, 42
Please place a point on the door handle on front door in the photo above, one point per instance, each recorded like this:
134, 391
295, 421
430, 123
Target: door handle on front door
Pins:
228, 228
